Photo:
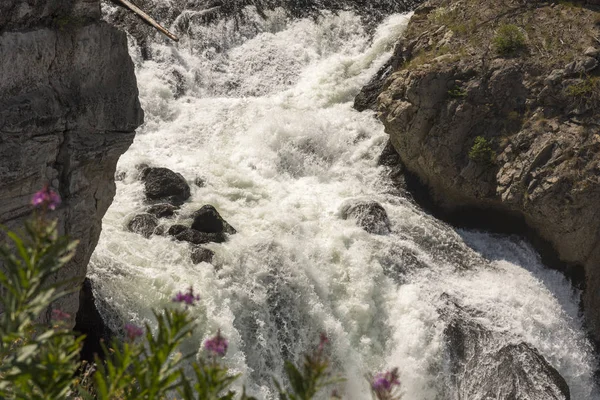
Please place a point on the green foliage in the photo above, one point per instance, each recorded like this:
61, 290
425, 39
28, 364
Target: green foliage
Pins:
133, 371
587, 91
37, 362
509, 40
457, 93
314, 376
482, 152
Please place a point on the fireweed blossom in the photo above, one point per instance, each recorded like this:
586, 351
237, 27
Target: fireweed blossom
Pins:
133, 331
323, 340
384, 384
46, 199
188, 297
217, 346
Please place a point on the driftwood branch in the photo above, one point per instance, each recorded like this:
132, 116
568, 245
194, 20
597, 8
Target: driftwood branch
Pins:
148, 19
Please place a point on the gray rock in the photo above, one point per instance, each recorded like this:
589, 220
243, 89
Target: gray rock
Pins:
162, 184
207, 219
479, 370
200, 182
592, 52
163, 210
185, 234
202, 254
68, 109
369, 215
177, 229
143, 224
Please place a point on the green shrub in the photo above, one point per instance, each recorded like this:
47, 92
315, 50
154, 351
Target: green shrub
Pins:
482, 152
508, 40
587, 91
457, 93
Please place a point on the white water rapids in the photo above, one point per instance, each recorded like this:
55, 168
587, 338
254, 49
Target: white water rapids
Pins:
268, 122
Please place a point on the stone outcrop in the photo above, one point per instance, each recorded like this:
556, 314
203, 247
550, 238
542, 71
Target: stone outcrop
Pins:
68, 109
482, 367
511, 130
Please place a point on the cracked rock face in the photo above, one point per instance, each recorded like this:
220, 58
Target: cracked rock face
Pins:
68, 110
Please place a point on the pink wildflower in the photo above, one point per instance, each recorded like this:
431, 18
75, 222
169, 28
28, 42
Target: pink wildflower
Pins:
188, 297
133, 331
384, 383
217, 345
46, 198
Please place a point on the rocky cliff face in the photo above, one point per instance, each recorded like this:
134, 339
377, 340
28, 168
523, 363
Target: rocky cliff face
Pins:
68, 109
492, 105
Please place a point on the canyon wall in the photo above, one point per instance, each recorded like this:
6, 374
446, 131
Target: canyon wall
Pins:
492, 105
68, 110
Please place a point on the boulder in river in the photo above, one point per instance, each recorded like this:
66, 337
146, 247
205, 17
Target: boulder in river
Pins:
183, 233
369, 215
165, 185
144, 224
162, 210
208, 220
202, 254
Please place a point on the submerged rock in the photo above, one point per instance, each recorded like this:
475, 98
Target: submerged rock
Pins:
165, 185
200, 182
183, 233
369, 215
163, 210
144, 224
202, 254
208, 220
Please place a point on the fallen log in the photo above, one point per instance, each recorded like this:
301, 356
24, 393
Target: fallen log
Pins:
148, 19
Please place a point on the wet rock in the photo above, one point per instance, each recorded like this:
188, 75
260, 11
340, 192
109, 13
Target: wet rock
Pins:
369, 215
208, 220
185, 234
176, 229
160, 230
480, 369
202, 254
519, 371
367, 98
143, 224
200, 182
163, 210
165, 185
89, 322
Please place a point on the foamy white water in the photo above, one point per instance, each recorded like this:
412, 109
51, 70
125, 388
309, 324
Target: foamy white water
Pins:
269, 124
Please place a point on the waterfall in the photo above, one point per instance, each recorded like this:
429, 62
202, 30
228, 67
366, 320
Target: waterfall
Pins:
260, 108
